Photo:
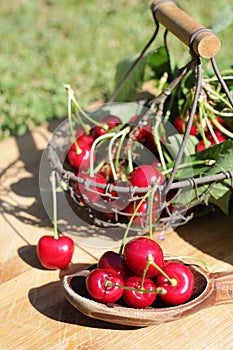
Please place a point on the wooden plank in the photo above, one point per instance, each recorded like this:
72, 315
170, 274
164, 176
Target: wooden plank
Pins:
34, 311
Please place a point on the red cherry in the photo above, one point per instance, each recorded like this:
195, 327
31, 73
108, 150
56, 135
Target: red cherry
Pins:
146, 175
80, 159
55, 253
220, 136
92, 192
181, 124
139, 299
182, 291
81, 136
143, 212
222, 122
109, 122
119, 200
136, 253
145, 136
200, 146
97, 284
144, 133
115, 262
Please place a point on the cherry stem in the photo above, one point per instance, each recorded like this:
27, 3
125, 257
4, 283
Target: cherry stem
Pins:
70, 98
205, 108
151, 213
70, 92
100, 138
208, 162
191, 258
130, 160
214, 111
131, 220
53, 183
221, 128
216, 94
158, 290
120, 147
145, 272
211, 130
172, 281
158, 144
151, 198
119, 134
202, 116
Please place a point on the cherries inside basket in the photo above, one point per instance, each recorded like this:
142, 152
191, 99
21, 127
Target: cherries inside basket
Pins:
120, 164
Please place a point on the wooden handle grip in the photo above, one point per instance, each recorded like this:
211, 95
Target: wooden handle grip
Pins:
200, 39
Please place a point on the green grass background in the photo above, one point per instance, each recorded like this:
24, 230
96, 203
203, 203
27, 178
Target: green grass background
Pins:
47, 43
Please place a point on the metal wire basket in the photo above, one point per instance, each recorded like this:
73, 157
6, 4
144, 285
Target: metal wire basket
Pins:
109, 209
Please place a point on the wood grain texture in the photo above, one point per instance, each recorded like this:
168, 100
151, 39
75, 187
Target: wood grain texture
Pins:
34, 312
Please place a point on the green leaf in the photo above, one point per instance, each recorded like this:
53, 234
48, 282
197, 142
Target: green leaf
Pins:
153, 65
224, 163
174, 143
134, 83
222, 202
218, 193
159, 62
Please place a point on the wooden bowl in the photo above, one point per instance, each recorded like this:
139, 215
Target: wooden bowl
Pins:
210, 289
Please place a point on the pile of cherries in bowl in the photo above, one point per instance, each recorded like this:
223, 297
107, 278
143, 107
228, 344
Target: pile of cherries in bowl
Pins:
140, 277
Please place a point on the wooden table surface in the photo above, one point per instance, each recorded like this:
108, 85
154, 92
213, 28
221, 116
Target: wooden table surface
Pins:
34, 312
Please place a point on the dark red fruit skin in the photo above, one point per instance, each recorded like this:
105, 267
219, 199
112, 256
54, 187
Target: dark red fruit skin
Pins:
87, 139
96, 284
80, 160
138, 299
145, 175
220, 136
136, 252
200, 146
84, 191
180, 126
55, 253
144, 134
119, 200
141, 218
115, 262
81, 136
180, 293
109, 121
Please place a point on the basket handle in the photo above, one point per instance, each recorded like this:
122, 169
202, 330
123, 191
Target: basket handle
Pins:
200, 39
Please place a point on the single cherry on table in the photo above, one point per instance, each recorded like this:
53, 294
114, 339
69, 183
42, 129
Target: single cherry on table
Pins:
55, 253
